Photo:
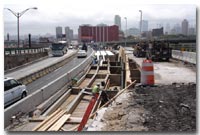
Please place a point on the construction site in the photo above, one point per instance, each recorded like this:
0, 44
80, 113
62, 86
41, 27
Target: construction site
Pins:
136, 94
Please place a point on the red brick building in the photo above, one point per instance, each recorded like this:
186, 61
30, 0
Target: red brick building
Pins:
99, 33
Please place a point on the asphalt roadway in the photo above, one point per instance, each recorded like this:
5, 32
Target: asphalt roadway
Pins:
39, 83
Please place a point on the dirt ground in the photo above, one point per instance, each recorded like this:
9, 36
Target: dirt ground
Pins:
165, 108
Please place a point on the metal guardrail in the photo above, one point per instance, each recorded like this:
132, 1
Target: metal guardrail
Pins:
19, 51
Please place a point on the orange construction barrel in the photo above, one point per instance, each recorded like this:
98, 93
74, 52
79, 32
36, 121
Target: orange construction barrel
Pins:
147, 73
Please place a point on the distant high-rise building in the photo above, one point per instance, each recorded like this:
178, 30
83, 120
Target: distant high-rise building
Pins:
144, 25
71, 34
118, 21
58, 32
68, 33
185, 27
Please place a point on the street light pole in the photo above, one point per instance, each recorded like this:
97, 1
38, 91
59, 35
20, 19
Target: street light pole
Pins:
140, 21
18, 41
126, 30
18, 15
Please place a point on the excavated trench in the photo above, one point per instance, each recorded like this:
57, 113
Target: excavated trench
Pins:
75, 101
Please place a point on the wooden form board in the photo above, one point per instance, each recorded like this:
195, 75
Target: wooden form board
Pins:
46, 120
75, 120
127, 69
51, 121
59, 123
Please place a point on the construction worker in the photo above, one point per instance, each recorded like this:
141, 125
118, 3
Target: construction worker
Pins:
94, 60
95, 90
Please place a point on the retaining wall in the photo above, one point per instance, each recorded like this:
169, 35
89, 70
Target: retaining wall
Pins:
12, 61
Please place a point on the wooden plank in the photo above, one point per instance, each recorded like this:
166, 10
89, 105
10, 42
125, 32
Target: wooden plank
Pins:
52, 121
39, 119
88, 93
46, 120
57, 103
128, 73
75, 102
59, 123
107, 84
74, 120
47, 124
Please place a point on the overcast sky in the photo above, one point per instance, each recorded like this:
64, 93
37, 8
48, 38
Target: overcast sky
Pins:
76, 12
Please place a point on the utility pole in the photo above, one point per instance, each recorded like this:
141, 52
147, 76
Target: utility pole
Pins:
140, 22
125, 30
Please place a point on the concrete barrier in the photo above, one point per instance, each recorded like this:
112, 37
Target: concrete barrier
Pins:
29, 78
30, 103
46, 104
184, 56
57, 103
24, 65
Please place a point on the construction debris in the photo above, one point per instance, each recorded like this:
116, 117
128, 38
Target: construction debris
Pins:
162, 108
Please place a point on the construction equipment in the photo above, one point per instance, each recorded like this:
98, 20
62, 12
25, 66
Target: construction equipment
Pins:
140, 49
160, 51
156, 51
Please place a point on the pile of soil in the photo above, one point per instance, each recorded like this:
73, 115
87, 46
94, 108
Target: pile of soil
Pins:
124, 115
166, 108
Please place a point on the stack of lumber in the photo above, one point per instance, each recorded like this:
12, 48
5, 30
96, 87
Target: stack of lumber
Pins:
53, 122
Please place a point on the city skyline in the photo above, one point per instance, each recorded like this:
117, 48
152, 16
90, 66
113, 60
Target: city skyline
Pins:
31, 21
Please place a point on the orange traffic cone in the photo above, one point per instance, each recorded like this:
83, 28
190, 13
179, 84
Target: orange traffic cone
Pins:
147, 73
